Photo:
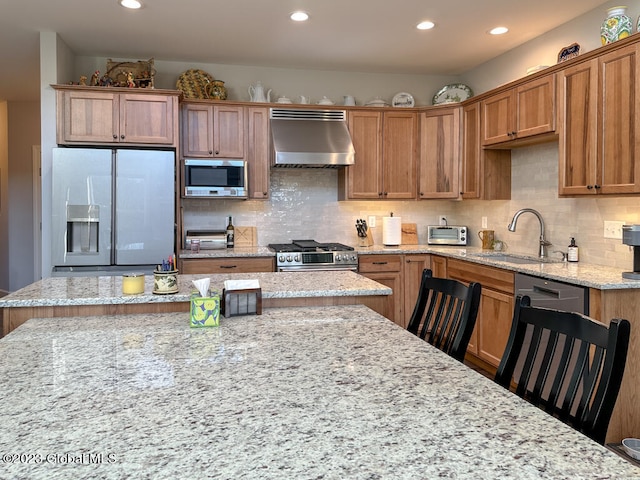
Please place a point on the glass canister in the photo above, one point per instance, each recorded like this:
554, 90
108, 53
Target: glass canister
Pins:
616, 26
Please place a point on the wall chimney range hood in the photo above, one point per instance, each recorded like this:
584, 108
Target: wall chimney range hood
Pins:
308, 138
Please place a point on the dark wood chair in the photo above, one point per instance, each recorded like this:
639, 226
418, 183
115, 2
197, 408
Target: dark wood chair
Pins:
566, 364
445, 313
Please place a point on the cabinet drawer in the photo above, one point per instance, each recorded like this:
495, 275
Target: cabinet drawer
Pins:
227, 265
489, 277
379, 263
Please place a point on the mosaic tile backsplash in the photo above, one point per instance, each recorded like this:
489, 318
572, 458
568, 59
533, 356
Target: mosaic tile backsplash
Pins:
304, 205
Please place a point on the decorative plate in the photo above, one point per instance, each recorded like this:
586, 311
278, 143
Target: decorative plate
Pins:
456, 92
403, 99
193, 83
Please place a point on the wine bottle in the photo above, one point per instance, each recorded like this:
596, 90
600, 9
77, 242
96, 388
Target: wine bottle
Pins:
230, 234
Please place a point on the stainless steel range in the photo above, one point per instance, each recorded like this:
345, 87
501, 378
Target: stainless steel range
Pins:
309, 255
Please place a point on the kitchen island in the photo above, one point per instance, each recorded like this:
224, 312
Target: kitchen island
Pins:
315, 392
71, 296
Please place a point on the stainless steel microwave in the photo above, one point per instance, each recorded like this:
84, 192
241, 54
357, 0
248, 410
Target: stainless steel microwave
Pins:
447, 235
215, 178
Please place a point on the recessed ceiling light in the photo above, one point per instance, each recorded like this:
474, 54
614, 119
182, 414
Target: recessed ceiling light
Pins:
130, 3
498, 30
426, 25
299, 16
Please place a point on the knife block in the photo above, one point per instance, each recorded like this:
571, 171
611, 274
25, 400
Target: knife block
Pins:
366, 241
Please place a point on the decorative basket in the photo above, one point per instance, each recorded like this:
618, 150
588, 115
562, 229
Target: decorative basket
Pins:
193, 83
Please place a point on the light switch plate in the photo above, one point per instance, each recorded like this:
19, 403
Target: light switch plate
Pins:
613, 229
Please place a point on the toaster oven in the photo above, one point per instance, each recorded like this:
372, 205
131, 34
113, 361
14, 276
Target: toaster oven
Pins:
447, 235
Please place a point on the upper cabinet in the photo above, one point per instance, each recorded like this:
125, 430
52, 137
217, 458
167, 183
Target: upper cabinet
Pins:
385, 163
521, 112
598, 118
100, 116
258, 151
439, 163
212, 131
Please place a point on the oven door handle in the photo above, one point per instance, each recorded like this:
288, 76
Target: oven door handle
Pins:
318, 269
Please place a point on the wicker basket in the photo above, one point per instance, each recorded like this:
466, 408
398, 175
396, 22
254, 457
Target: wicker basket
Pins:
193, 83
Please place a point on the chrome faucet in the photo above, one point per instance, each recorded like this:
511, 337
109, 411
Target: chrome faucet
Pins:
543, 241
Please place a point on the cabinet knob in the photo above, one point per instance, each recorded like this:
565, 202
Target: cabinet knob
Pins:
122, 137
596, 186
265, 193
210, 152
589, 187
217, 152
115, 137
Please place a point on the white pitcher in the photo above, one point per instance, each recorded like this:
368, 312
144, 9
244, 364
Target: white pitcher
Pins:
257, 93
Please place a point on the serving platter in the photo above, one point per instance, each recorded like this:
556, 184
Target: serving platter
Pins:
403, 99
453, 93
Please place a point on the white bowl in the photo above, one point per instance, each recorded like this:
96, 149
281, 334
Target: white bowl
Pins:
632, 447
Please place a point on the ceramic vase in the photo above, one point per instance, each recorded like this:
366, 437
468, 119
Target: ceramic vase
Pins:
616, 26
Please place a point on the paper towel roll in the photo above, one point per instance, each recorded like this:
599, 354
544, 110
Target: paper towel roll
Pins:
391, 230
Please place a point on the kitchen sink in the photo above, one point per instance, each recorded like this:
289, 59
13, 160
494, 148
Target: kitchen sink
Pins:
508, 258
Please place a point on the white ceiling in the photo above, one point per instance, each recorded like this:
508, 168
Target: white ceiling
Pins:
344, 35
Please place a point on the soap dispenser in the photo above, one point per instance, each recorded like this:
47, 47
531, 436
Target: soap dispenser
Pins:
572, 251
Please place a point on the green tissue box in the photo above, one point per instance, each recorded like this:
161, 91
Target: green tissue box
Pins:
205, 311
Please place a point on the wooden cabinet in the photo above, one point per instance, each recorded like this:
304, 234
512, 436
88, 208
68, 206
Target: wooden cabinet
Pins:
414, 265
100, 116
486, 174
198, 266
520, 112
439, 266
212, 131
385, 167
258, 151
598, 118
439, 162
495, 314
387, 270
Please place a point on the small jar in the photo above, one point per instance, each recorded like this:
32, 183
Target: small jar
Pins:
133, 283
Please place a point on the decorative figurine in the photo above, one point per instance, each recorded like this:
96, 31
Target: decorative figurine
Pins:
106, 81
83, 80
95, 79
130, 82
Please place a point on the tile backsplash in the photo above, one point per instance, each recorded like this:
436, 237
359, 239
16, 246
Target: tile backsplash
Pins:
304, 205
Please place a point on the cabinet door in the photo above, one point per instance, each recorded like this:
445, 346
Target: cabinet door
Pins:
439, 163
87, 117
258, 151
619, 143
147, 118
535, 105
414, 265
391, 306
471, 151
439, 266
499, 118
577, 128
197, 130
364, 179
493, 325
400, 132
228, 128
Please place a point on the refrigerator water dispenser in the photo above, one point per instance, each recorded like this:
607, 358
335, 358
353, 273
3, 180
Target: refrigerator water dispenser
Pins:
83, 225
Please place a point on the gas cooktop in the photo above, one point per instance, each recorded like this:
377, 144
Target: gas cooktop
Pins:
308, 246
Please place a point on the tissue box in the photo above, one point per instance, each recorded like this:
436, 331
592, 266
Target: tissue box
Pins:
247, 301
205, 311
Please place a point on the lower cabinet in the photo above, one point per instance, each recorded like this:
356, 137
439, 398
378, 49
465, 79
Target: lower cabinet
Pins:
387, 270
493, 324
412, 276
227, 265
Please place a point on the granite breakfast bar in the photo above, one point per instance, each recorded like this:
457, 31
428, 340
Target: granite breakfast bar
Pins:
102, 295
313, 392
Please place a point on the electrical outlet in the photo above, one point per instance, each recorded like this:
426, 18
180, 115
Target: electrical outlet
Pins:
613, 229
371, 222
442, 219
484, 222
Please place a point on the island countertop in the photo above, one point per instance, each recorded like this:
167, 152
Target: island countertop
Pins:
324, 392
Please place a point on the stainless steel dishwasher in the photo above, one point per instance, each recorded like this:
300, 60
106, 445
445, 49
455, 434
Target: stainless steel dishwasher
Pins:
551, 294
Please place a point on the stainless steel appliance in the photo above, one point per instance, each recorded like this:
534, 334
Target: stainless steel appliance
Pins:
309, 255
631, 236
112, 208
215, 178
551, 294
311, 138
209, 239
447, 234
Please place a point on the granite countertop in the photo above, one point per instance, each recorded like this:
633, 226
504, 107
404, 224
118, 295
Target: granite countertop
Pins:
106, 290
579, 273
229, 253
296, 393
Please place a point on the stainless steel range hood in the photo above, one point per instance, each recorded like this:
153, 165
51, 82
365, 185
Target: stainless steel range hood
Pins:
311, 138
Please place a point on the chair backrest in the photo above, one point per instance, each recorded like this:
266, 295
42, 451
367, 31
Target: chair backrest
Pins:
445, 313
566, 364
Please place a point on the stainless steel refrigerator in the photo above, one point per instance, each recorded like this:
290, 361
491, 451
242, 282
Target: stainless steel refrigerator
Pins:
112, 208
